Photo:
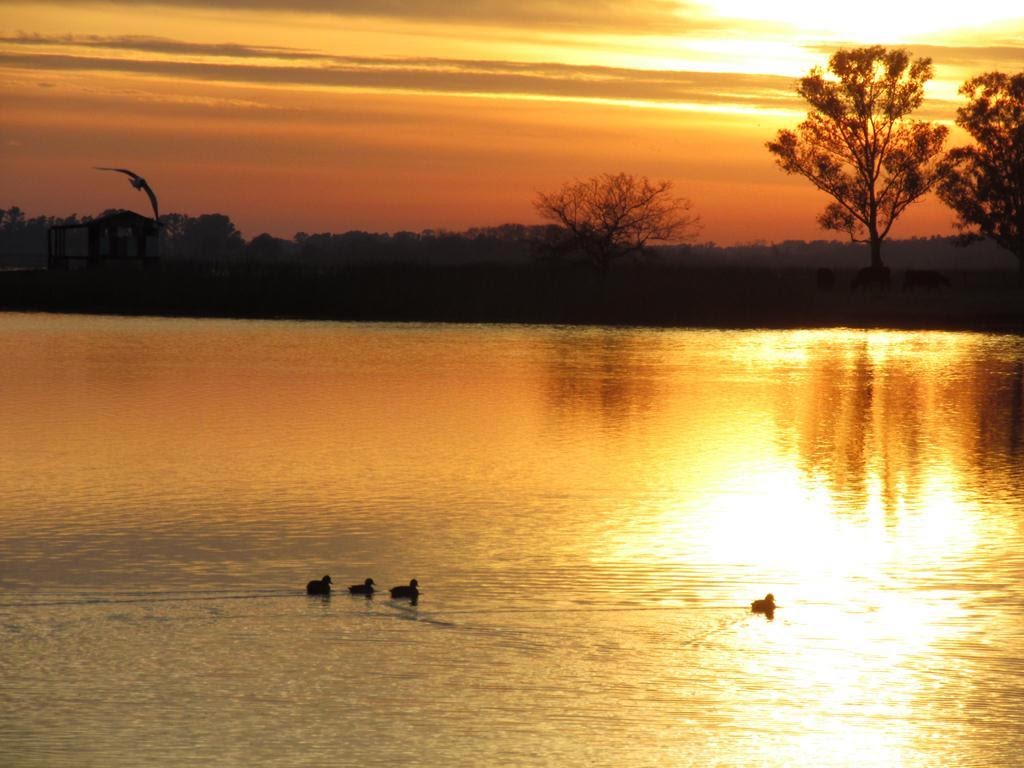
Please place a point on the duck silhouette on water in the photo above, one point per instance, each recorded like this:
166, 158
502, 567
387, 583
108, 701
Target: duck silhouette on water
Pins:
366, 588
319, 587
410, 592
765, 606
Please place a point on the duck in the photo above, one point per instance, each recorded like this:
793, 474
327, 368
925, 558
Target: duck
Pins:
321, 587
411, 591
366, 588
766, 606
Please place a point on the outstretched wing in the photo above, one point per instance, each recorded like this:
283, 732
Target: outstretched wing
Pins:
139, 183
152, 199
120, 170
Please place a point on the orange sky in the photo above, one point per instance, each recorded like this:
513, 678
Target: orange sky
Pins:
384, 115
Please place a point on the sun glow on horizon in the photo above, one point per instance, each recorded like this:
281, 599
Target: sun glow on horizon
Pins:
873, 21
217, 104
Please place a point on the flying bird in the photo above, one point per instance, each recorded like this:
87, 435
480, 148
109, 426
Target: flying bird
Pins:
139, 183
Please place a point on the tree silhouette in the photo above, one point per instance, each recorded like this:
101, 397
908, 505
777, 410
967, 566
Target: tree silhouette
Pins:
858, 144
611, 216
23, 239
207, 237
985, 185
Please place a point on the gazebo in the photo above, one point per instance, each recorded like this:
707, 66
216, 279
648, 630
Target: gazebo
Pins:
118, 236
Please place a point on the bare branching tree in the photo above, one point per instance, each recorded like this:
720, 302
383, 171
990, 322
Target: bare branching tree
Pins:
858, 143
985, 186
610, 216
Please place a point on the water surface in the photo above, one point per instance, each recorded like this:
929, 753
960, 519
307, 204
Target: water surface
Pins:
589, 513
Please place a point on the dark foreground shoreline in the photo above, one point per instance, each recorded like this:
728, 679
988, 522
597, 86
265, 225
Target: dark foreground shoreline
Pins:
642, 295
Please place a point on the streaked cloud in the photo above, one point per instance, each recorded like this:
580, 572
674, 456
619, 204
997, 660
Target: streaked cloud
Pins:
159, 45
284, 66
975, 57
395, 114
655, 16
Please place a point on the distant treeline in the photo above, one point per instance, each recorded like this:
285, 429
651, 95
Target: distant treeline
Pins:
539, 292
501, 274
214, 238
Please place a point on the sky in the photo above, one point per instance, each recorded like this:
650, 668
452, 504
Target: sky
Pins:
387, 115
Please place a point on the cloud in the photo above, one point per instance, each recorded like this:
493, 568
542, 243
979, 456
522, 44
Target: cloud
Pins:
975, 57
254, 65
160, 45
650, 16
1004, 57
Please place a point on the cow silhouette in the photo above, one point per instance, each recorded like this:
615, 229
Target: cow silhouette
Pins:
928, 279
871, 277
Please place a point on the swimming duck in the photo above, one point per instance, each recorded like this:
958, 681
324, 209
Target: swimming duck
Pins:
366, 588
321, 587
412, 591
766, 606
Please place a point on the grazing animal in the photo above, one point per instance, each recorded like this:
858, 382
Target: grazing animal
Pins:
826, 279
871, 277
928, 279
366, 588
411, 591
321, 587
766, 606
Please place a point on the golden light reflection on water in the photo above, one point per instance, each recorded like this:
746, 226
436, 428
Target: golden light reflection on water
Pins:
592, 511
851, 470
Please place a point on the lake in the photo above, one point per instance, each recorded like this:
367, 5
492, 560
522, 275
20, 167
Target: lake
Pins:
589, 513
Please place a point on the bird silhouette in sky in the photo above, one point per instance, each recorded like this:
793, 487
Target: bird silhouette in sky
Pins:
139, 183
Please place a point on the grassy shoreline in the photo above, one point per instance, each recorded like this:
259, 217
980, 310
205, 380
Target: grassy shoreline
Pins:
645, 295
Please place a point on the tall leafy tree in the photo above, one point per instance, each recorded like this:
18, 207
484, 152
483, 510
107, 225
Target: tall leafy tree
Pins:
985, 185
859, 144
